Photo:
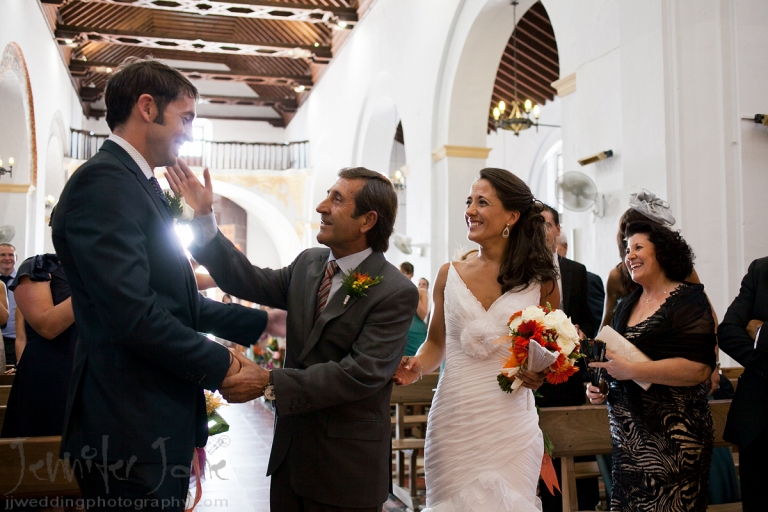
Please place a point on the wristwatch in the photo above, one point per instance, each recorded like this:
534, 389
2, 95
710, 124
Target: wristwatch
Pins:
269, 391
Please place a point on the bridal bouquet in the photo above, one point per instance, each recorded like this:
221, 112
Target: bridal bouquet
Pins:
540, 339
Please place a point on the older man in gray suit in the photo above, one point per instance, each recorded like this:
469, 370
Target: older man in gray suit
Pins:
331, 449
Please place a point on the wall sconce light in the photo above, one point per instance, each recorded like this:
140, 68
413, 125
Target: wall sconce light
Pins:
608, 153
9, 170
761, 119
399, 180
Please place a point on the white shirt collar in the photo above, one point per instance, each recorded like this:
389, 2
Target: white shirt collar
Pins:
133, 153
352, 261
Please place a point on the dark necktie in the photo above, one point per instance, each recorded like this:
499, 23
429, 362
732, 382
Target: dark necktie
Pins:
159, 191
325, 287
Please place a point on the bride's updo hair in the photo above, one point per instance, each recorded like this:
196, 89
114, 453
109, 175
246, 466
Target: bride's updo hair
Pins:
527, 257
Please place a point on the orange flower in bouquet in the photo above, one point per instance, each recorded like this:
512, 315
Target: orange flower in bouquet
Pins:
540, 339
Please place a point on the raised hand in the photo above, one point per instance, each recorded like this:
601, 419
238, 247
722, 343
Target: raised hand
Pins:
184, 183
408, 372
247, 384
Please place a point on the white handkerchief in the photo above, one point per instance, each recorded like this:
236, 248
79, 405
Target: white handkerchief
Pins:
620, 346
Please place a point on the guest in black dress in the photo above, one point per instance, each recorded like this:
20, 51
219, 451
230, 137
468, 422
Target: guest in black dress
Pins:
662, 438
38, 397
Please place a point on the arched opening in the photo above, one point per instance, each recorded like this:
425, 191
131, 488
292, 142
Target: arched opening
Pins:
479, 71
17, 141
271, 241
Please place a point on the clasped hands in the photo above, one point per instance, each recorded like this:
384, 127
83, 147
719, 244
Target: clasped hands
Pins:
244, 381
410, 371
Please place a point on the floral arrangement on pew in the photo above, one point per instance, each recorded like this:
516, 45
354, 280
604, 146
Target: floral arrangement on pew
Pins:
216, 425
541, 339
266, 352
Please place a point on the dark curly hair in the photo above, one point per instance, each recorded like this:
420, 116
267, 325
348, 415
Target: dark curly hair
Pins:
629, 216
673, 253
527, 257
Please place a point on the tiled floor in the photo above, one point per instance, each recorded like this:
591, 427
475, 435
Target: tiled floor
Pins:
237, 463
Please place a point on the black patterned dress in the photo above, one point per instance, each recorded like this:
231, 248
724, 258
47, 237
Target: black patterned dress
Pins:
662, 438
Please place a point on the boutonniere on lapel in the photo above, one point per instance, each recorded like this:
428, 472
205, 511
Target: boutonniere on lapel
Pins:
356, 283
180, 210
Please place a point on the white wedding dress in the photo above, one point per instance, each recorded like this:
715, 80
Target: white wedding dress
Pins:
484, 447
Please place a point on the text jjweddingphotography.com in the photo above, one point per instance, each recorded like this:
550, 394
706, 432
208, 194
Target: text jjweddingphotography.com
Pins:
123, 503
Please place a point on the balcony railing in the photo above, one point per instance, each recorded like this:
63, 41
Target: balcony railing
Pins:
84, 144
249, 155
216, 155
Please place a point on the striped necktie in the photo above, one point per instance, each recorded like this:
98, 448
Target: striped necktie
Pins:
325, 287
156, 186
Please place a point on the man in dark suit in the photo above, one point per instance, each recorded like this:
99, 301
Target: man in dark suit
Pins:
595, 293
741, 337
574, 301
331, 448
135, 408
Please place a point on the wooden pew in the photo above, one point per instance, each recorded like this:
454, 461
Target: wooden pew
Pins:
2, 415
5, 391
417, 393
591, 424
30, 468
6, 380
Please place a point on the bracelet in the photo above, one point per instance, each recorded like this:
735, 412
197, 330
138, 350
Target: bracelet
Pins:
420, 375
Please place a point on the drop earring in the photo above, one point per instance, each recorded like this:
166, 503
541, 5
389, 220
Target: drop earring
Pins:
505, 233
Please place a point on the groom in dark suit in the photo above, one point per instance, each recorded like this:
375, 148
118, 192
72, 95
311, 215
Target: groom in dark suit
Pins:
331, 448
741, 337
135, 409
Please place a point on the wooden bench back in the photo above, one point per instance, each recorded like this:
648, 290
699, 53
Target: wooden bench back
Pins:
30, 468
6, 380
584, 430
5, 392
419, 391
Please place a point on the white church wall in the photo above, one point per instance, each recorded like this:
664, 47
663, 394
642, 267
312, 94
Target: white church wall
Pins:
393, 54
22, 22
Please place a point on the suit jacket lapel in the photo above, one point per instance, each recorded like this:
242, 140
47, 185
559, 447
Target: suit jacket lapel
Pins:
119, 153
336, 307
315, 272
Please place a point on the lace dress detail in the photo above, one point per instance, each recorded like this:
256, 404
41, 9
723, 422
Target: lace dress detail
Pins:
662, 441
484, 447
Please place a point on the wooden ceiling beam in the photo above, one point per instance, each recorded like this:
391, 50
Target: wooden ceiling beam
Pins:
78, 68
266, 10
274, 121
287, 104
524, 82
69, 34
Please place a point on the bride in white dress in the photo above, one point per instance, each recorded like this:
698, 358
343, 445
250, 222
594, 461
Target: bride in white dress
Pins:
484, 447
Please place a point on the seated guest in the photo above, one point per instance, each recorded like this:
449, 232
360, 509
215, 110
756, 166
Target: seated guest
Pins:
662, 438
417, 333
38, 397
741, 337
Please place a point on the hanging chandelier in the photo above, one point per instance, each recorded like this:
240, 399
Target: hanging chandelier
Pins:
9, 170
518, 117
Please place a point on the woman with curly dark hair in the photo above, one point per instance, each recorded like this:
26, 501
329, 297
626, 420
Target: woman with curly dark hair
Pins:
662, 438
473, 459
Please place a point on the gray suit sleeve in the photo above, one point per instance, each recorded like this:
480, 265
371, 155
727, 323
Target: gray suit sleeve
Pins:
235, 274
374, 357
